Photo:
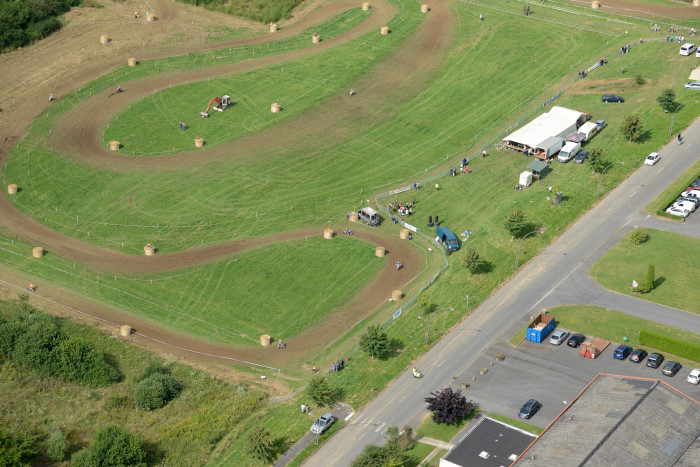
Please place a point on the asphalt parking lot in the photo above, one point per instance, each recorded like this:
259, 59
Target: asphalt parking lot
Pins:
553, 375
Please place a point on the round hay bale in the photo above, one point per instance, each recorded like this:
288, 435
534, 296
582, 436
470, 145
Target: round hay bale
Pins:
273, 27
424, 8
365, 6
379, 251
315, 39
274, 108
595, 4
37, 252
385, 30
396, 295
328, 233
198, 142
696, 2
149, 250
403, 234
131, 61
265, 340
12, 189
354, 217
104, 39
151, 18
115, 145
125, 330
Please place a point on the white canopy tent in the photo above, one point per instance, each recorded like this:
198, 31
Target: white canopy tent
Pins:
695, 75
559, 121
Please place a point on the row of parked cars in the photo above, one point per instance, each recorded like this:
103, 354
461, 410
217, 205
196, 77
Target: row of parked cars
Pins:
687, 201
623, 351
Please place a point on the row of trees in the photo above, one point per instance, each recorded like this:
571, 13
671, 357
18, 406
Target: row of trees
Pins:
23, 22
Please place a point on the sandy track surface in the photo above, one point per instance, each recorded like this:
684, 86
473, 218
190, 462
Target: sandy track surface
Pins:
403, 72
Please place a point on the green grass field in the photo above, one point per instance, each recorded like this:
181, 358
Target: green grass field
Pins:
673, 256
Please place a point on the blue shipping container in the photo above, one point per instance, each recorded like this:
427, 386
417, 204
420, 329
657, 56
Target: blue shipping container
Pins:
540, 328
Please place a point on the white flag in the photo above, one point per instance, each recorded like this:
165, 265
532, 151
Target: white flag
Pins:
634, 283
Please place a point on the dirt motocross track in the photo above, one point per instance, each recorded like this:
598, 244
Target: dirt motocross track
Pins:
403, 72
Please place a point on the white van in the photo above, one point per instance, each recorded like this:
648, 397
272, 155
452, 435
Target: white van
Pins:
697, 53
687, 49
568, 152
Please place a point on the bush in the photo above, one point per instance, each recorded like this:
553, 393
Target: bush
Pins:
16, 449
23, 22
449, 406
473, 261
667, 100
639, 236
515, 222
669, 344
319, 390
375, 341
259, 444
156, 391
152, 369
632, 128
639, 79
111, 446
79, 361
57, 446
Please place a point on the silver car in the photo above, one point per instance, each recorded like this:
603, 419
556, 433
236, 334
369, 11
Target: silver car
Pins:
692, 86
322, 423
558, 336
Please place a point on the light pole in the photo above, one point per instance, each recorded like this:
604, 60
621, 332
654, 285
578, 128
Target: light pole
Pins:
600, 179
427, 331
670, 130
517, 258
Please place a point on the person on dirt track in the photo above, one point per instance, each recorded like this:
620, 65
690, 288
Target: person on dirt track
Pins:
398, 265
352, 92
31, 287
51, 97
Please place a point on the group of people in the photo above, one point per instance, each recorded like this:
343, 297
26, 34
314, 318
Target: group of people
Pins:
625, 49
404, 209
603, 61
582, 74
675, 38
347, 231
337, 366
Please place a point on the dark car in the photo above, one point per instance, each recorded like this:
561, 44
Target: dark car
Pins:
581, 156
655, 360
600, 124
575, 340
622, 352
612, 98
529, 409
638, 355
671, 368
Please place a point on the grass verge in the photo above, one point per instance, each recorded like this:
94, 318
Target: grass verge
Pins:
443, 431
668, 196
517, 423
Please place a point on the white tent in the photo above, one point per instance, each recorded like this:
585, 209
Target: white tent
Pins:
695, 75
559, 121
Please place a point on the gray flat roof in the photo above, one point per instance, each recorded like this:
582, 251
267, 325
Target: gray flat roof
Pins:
620, 421
496, 439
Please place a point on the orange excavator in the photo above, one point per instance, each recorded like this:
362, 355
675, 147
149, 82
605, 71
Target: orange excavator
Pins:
221, 105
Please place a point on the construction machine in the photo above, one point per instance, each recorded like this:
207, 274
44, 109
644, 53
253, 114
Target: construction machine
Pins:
221, 105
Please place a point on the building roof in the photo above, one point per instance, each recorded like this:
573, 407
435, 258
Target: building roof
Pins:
489, 443
621, 421
537, 165
553, 123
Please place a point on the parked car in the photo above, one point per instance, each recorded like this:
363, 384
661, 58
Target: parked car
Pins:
694, 376
601, 124
576, 340
688, 199
322, 423
655, 360
677, 212
622, 351
652, 158
558, 336
687, 205
581, 156
638, 355
613, 98
671, 368
692, 86
529, 409
691, 191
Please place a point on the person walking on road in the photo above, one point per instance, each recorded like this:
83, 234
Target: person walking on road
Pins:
679, 138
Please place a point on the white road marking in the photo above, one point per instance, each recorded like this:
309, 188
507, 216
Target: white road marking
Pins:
380, 427
441, 363
348, 417
402, 399
662, 168
634, 193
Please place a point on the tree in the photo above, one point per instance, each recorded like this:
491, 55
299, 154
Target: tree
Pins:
632, 128
449, 406
260, 445
650, 278
389, 455
596, 160
16, 449
667, 100
319, 390
639, 236
403, 439
375, 341
426, 305
111, 446
57, 446
155, 391
515, 222
473, 261
639, 79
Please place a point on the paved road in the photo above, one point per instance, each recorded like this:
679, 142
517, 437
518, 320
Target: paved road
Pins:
538, 283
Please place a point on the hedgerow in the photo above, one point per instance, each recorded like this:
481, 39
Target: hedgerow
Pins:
669, 344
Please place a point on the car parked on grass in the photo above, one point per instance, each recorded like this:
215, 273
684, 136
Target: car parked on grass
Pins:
529, 409
677, 212
692, 86
652, 158
655, 360
694, 376
558, 336
322, 424
638, 355
600, 124
622, 352
613, 98
671, 368
581, 156
576, 340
